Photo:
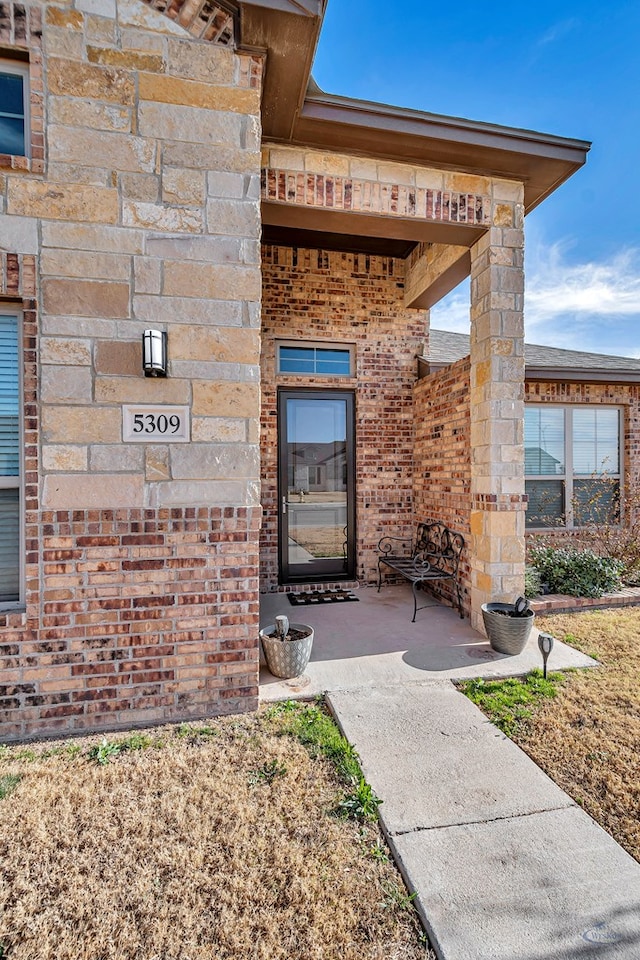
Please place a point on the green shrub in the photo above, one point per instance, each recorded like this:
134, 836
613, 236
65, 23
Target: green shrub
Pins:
532, 582
579, 573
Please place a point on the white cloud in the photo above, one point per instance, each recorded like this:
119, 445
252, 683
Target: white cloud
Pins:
452, 313
581, 306
602, 289
557, 31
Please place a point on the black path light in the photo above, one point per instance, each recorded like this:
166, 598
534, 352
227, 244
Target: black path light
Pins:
545, 644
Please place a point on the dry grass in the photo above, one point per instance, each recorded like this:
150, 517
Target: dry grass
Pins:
203, 843
588, 738
321, 541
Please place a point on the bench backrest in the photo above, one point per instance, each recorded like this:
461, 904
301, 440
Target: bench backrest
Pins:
439, 546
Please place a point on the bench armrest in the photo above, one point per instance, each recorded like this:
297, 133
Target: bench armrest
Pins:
385, 544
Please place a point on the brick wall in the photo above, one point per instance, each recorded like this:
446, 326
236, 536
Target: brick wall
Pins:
443, 450
442, 459
143, 616
346, 298
308, 178
144, 212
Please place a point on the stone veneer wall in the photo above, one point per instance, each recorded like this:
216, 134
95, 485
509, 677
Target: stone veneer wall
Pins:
346, 298
141, 560
442, 458
498, 500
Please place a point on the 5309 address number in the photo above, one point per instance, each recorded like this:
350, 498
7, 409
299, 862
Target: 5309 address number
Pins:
150, 423
146, 424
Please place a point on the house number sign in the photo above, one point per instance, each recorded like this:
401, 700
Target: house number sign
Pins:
152, 424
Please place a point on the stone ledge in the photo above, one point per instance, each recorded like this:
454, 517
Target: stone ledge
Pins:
563, 603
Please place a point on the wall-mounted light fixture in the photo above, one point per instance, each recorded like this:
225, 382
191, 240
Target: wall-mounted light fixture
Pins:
154, 353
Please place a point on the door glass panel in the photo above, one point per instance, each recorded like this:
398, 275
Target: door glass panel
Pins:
316, 483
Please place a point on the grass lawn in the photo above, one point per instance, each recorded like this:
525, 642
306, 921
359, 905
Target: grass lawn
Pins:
583, 728
243, 837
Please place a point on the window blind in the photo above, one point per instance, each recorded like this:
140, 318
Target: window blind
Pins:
9, 460
9, 545
9, 397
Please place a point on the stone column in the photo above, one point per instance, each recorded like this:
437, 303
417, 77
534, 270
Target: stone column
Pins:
497, 405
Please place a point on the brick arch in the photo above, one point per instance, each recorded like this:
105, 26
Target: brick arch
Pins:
216, 22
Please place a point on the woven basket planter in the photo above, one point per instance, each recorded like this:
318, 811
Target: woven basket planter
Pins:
506, 634
287, 658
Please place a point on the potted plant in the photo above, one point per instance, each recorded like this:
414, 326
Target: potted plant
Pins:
508, 625
287, 647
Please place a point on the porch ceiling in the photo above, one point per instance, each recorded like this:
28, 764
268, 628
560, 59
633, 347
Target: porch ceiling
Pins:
358, 232
349, 243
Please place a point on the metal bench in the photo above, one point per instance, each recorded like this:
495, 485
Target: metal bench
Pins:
433, 555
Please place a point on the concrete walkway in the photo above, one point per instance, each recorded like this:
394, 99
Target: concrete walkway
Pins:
506, 866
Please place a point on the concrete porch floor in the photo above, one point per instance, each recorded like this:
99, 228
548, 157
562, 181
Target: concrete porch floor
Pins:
373, 642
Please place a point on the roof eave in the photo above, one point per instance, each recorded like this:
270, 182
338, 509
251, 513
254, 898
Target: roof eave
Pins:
539, 373
287, 33
572, 375
541, 161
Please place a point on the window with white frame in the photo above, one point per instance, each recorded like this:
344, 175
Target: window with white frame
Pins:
319, 359
10, 461
14, 108
572, 464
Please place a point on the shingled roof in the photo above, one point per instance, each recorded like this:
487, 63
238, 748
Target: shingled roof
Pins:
542, 362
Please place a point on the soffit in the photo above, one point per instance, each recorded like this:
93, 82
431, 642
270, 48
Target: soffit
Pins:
283, 236
287, 32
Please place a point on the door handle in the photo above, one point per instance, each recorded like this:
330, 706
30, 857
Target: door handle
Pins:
284, 504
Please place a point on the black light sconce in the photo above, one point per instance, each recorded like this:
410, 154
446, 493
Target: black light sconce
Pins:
154, 353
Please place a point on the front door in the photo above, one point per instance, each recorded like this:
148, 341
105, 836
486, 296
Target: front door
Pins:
316, 485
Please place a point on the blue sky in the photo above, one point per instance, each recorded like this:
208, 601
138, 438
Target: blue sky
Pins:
565, 68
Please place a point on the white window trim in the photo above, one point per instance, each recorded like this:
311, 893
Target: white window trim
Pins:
567, 478
21, 68
7, 483
318, 345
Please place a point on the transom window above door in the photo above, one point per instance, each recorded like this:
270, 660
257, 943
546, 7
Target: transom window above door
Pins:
316, 359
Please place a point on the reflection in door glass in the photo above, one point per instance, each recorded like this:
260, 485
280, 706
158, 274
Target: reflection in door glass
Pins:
316, 479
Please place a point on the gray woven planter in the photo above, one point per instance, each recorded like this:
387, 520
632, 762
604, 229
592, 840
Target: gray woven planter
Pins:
287, 658
506, 634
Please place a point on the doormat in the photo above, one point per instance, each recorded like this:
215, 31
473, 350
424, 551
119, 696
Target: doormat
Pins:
308, 597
